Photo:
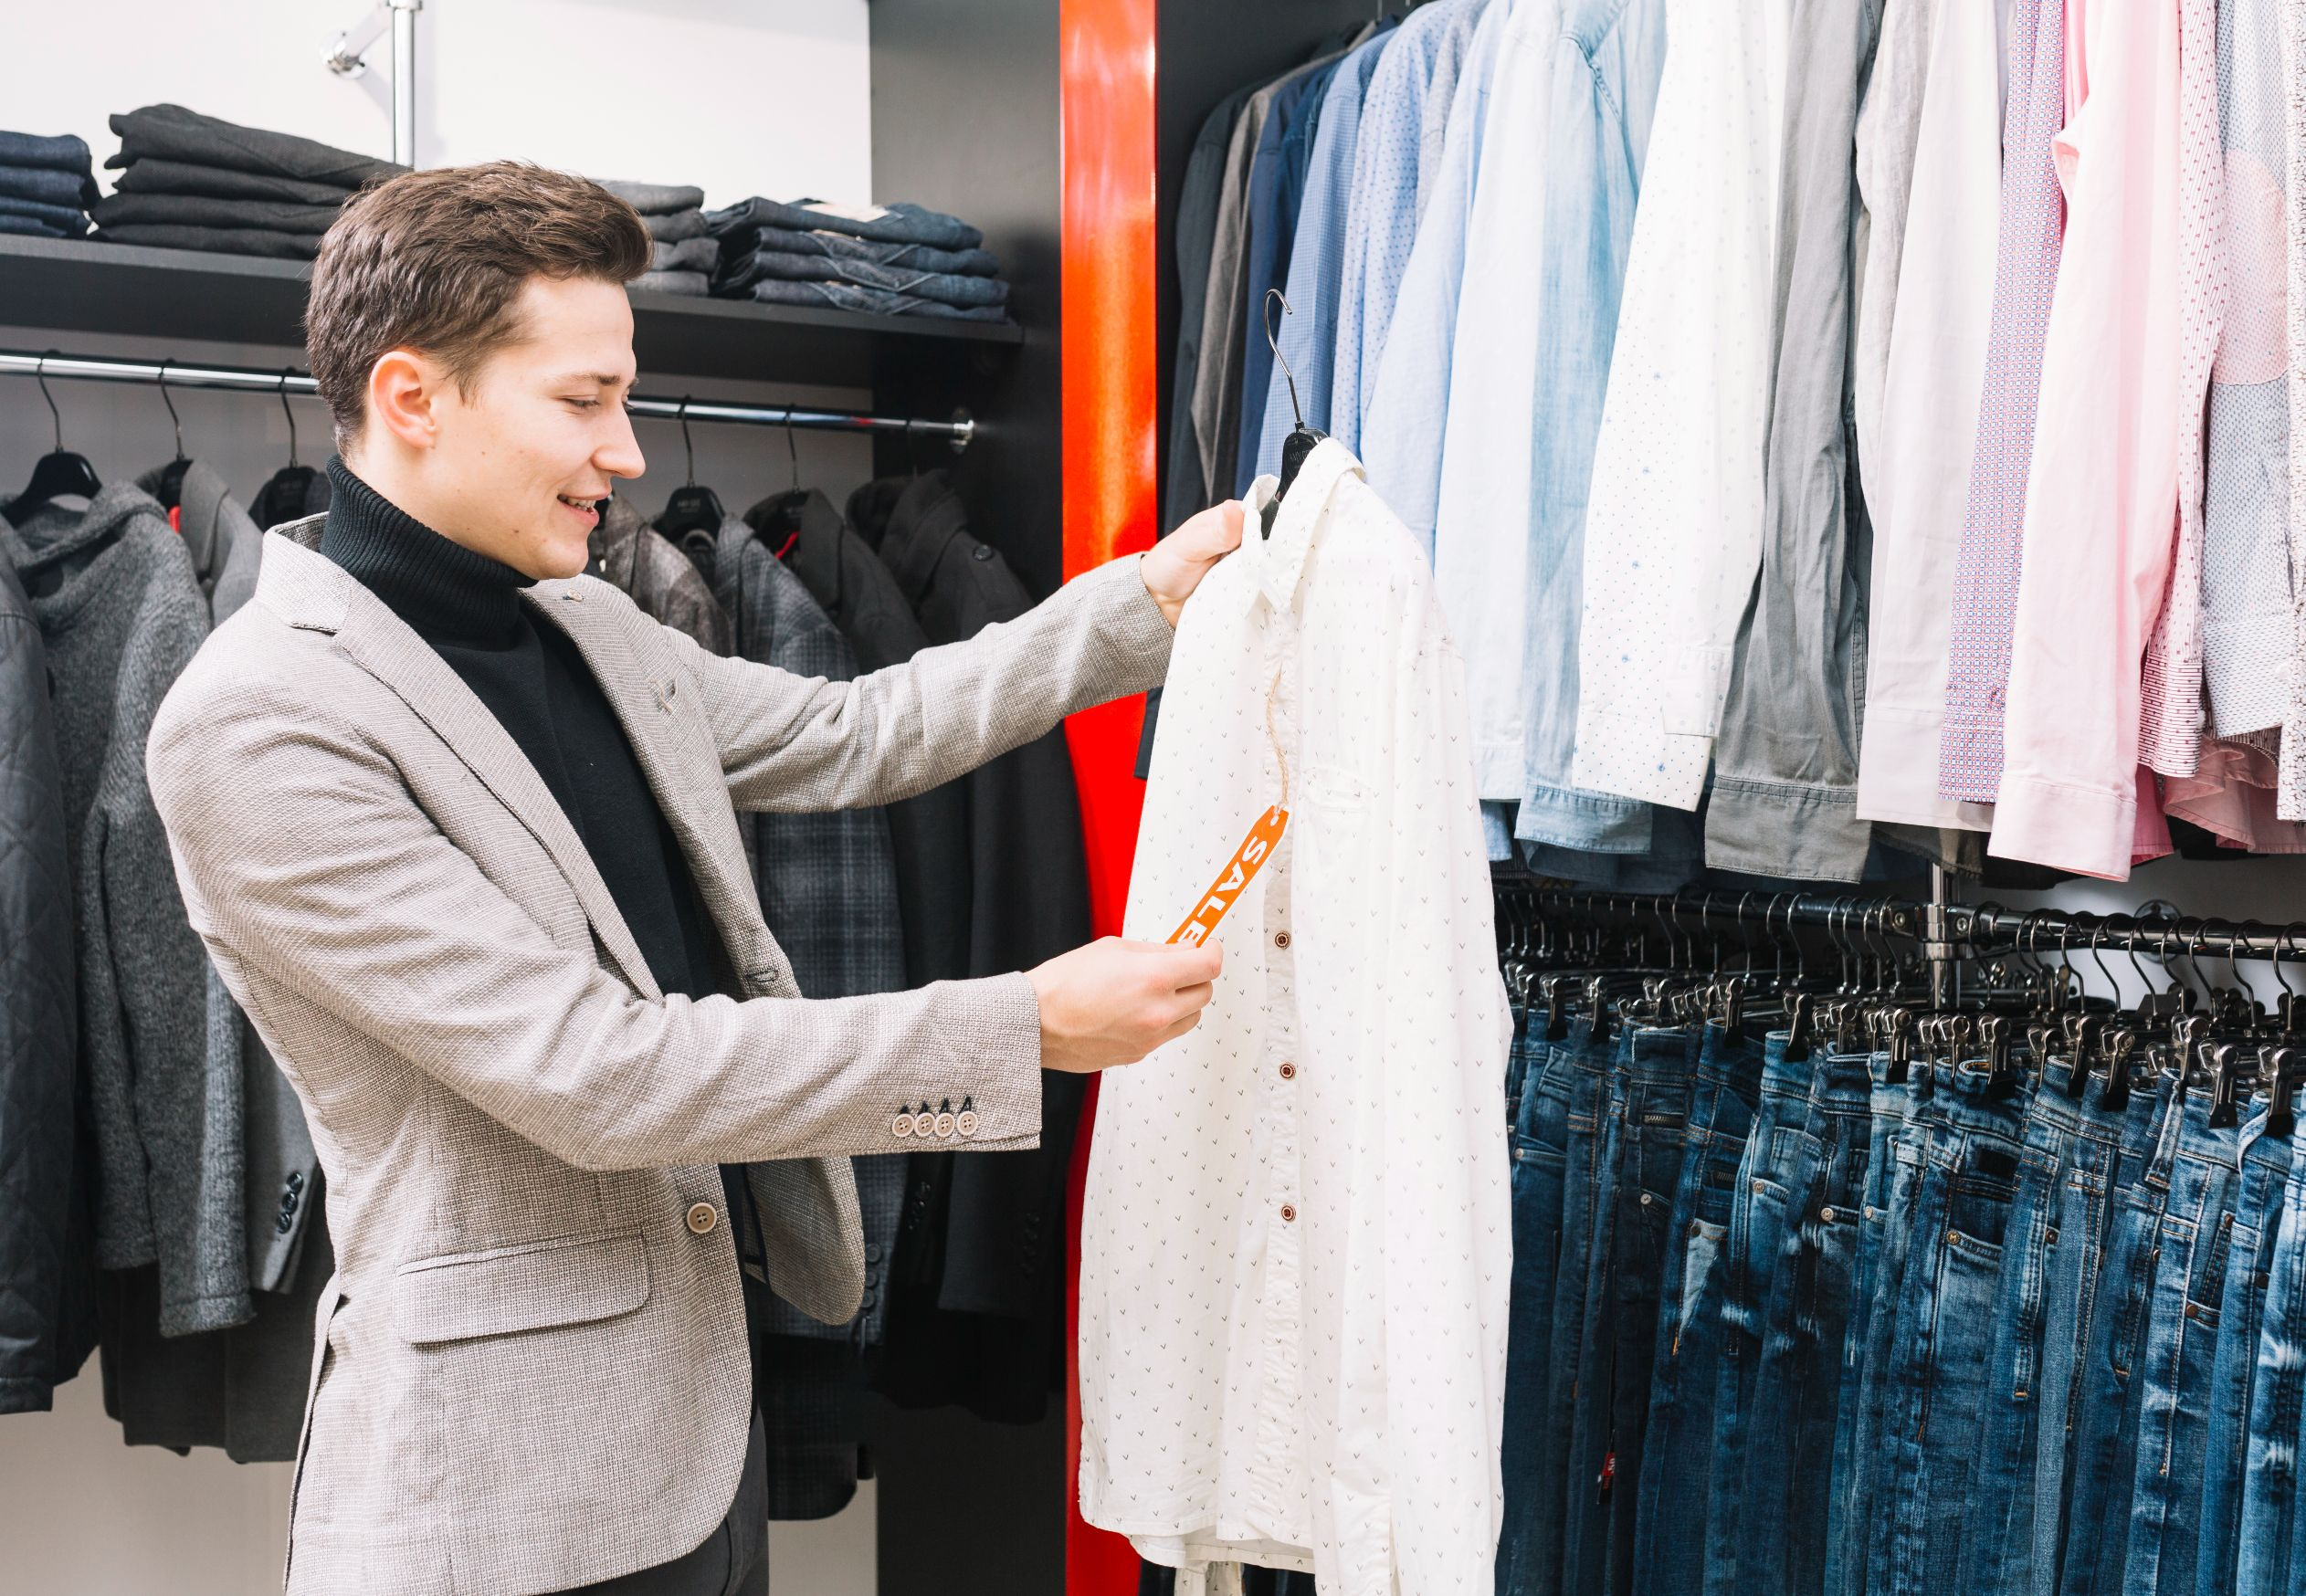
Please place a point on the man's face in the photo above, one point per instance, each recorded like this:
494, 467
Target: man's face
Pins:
540, 433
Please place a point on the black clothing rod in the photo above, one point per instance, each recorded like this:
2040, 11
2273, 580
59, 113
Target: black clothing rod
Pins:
2036, 930
957, 432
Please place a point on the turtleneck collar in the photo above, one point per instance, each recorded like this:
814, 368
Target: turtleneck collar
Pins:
442, 589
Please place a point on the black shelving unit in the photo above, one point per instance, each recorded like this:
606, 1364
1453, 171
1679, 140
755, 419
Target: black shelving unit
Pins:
70, 285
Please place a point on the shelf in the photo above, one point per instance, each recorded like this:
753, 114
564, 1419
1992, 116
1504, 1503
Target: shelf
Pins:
80, 286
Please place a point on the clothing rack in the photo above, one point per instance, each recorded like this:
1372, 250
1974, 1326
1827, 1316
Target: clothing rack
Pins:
957, 432
1947, 932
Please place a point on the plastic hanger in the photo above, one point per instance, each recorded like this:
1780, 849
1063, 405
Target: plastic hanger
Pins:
1301, 439
692, 516
57, 473
292, 483
172, 476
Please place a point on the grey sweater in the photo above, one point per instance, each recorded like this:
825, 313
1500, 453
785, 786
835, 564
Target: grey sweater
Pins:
121, 614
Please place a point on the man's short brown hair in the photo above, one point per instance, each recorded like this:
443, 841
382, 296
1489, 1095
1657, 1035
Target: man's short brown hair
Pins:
433, 261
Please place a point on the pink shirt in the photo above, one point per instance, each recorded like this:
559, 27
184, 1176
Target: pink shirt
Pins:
2101, 501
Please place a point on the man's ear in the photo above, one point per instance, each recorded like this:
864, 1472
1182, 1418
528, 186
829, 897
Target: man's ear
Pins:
404, 391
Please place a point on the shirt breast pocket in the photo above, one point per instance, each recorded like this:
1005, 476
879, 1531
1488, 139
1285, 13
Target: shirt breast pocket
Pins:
1332, 787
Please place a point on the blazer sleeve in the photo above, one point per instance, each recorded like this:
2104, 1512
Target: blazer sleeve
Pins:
790, 742
339, 888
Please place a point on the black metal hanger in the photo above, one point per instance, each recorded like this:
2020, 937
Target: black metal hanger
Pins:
1301, 439
692, 516
171, 493
57, 473
293, 484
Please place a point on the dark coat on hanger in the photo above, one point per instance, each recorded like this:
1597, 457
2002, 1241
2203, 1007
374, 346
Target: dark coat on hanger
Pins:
41, 1345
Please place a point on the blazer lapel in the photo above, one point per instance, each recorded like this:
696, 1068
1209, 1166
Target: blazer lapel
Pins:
673, 741
384, 646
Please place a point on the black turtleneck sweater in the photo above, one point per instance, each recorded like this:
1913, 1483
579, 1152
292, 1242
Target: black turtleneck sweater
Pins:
532, 677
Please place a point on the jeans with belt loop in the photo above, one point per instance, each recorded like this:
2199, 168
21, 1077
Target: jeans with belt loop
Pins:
1669, 1553
1775, 1161
1789, 1457
1936, 1378
1643, 1146
1541, 1138
2106, 1409
2179, 1350
2031, 1365
1581, 1065
2258, 1208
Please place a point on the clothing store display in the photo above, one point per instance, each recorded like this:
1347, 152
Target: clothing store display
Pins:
889, 260
977, 1256
201, 211
840, 296
2291, 796
289, 494
925, 258
946, 288
262, 241
40, 1347
173, 134
46, 185
156, 175
120, 612
383, 883
216, 532
633, 557
656, 199
672, 227
891, 224
827, 882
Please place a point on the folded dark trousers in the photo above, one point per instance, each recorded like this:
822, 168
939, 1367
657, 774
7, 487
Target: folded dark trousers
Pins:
775, 290
689, 254
199, 211
216, 240
897, 224
173, 134
48, 185
831, 269
70, 219
654, 199
694, 285
673, 227
918, 257
32, 227
63, 152
159, 175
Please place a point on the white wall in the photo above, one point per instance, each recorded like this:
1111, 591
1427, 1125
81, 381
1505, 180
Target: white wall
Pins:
739, 97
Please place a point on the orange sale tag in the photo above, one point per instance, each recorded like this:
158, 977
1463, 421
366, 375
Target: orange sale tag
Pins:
1235, 878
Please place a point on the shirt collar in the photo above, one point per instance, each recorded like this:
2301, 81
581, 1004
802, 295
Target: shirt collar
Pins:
1279, 560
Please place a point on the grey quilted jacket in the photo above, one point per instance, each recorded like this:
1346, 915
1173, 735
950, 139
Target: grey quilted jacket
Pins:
38, 1344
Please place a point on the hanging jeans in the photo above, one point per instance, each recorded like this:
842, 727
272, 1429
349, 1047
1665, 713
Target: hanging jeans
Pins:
1669, 1553
2257, 1209
1541, 1138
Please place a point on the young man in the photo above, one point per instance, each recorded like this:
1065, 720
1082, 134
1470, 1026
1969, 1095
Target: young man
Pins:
459, 827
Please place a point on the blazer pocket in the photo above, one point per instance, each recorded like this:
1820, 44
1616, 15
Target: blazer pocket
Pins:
568, 1280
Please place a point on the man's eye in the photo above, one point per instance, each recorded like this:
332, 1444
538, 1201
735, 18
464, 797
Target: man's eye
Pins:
586, 403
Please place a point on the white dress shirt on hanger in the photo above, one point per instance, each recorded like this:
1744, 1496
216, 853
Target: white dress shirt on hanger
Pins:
1297, 1239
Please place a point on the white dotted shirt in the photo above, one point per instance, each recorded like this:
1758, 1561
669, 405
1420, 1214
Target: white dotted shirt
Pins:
1296, 1242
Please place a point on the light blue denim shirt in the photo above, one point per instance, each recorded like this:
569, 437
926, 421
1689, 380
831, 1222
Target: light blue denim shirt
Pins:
1607, 70
1396, 151
1307, 337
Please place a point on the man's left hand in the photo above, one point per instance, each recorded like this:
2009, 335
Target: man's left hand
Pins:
1174, 566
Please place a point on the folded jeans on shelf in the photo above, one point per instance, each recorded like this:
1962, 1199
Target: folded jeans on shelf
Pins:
918, 257
692, 284
216, 240
47, 185
700, 255
194, 210
175, 133
70, 219
158, 174
654, 199
32, 227
871, 301
894, 224
945, 288
672, 227
63, 152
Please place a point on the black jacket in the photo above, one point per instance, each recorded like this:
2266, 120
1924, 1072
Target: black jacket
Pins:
980, 1242
44, 1337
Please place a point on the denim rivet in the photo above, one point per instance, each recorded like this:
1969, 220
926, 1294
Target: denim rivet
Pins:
1645, 1199
1826, 1217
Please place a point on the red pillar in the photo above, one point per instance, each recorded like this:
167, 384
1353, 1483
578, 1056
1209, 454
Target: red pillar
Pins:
1106, 67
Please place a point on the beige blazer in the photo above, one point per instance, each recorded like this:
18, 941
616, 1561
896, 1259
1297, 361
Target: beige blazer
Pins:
529, 1371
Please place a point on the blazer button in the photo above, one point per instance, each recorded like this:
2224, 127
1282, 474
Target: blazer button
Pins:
900, 1127
965, 1122
945, 1125
702, 1218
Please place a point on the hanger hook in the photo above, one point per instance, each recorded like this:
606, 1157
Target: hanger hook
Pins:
1274, 343
168, 399
40, 373
792, 449
686, 444
285, 373
2285, 938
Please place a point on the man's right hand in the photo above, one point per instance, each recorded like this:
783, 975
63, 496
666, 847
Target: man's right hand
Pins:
1114, 1002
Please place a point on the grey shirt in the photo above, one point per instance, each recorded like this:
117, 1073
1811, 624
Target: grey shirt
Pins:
1786, 766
